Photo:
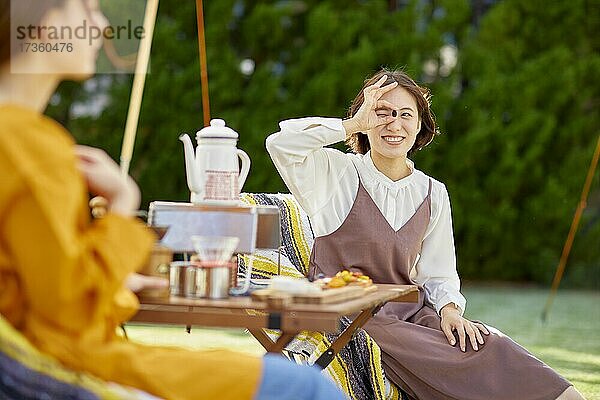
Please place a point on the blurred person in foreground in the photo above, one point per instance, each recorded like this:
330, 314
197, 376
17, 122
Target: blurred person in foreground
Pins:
63, 274
374, 212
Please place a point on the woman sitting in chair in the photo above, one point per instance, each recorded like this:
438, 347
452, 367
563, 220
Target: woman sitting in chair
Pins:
372, 211
62, 275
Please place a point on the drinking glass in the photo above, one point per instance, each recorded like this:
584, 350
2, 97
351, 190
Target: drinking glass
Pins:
215, 248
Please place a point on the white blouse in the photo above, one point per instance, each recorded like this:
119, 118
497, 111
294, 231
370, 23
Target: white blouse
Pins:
325, 183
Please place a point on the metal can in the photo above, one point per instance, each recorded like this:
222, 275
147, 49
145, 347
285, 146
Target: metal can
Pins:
212, 279
182, 277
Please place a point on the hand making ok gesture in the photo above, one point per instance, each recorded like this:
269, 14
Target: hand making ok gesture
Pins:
370, 114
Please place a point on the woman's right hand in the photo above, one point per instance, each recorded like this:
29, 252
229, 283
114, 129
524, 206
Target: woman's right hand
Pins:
465, 329
370, 114
104, 178
138, 282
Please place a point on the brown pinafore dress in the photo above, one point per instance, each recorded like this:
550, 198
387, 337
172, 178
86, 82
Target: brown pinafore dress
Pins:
415, 352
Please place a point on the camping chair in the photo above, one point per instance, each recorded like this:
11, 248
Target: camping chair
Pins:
26, 373
356, 369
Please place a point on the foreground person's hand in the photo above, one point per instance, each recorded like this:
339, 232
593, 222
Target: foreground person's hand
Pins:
138, 282
104, 178
453, 321
373, 112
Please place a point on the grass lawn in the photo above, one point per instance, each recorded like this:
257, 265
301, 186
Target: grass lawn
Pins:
569, 341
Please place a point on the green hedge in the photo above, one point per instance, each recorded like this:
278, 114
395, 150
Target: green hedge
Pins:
519, 109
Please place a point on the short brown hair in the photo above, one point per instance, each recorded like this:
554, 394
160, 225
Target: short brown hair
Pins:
359, 142
23, 10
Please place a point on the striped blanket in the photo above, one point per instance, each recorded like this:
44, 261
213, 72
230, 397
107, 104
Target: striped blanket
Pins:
357, 369
26, 374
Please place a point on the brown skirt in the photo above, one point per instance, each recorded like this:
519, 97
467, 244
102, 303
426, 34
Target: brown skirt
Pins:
418, 358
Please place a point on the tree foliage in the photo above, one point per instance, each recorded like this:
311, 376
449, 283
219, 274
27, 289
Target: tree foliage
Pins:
521, 137
515, 91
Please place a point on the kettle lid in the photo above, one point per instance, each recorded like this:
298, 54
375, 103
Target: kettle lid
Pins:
217, 129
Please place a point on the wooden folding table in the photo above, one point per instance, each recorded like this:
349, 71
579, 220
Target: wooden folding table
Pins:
244, 312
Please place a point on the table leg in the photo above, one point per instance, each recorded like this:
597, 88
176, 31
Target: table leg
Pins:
342, 340
270, 345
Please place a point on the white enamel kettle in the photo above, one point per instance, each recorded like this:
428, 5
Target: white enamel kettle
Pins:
213, 173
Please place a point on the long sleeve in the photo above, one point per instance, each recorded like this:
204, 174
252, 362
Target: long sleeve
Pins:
436, 269
71, 276
70, 269
311, 172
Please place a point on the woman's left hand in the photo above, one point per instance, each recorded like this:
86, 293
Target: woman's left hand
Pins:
453, 321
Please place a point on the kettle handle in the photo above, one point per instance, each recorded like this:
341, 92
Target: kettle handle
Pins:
245, 168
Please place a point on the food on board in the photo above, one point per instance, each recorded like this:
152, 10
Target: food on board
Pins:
346, 278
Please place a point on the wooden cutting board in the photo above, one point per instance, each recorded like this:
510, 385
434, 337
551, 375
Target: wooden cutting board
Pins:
327, 296
336, 295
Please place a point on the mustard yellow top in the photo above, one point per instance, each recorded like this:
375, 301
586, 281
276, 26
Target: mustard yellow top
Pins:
62, 273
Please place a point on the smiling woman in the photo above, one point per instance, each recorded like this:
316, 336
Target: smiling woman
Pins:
375, 212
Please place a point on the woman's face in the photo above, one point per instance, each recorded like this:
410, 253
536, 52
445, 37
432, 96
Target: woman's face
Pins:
395, 139
80, 63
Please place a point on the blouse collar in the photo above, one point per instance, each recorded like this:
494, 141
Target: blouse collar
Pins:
376, 175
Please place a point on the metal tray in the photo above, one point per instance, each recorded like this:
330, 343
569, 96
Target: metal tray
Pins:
258, 227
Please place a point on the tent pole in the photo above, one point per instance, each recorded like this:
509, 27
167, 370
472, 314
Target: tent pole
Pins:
203, 64
560, 269
139, 80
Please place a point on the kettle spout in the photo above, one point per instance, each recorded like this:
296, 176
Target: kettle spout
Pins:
190, 163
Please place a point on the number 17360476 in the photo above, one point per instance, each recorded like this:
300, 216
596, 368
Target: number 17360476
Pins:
33, 47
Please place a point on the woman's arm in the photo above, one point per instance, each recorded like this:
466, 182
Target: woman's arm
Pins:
436, 269
311, 172
70, 267
437, 273
71, 272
